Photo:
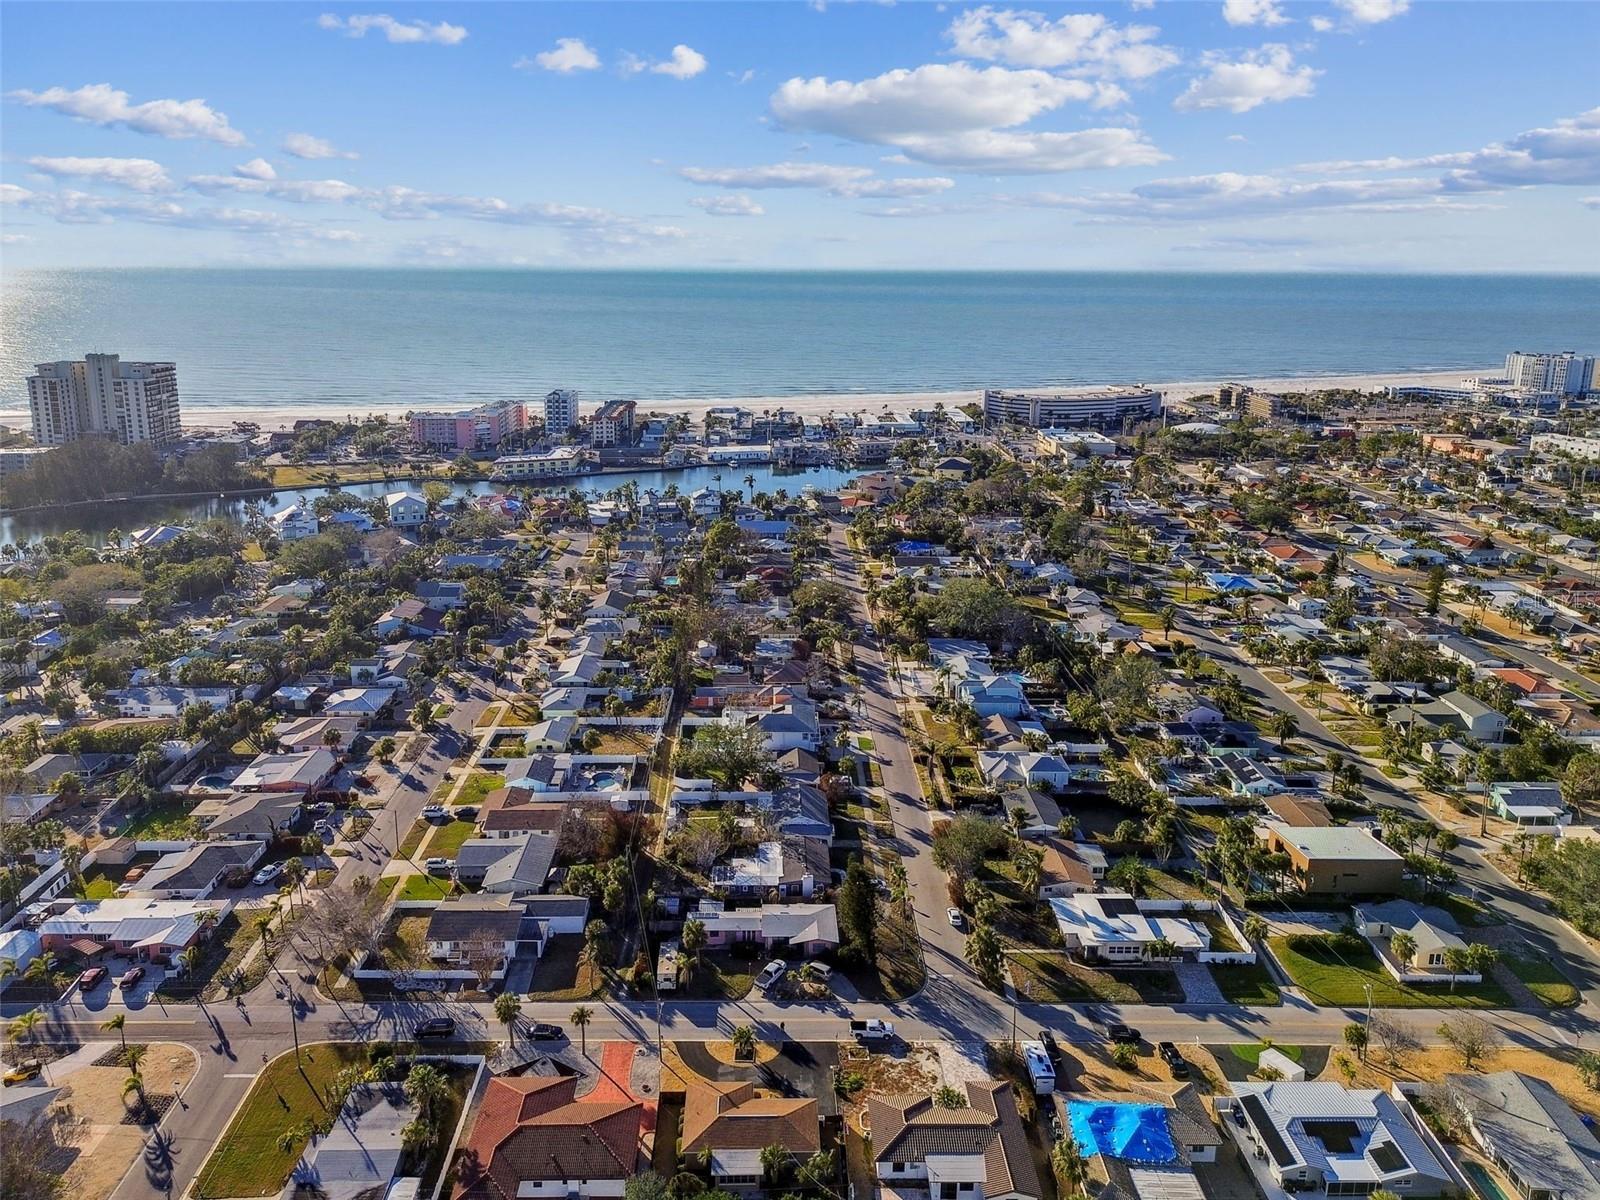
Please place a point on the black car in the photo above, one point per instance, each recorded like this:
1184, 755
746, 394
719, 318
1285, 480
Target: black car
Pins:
1119, 1032
1048, 1041
541, 1031
1169, 1055
434, 1027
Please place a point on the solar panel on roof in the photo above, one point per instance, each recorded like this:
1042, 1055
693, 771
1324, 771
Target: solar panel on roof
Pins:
1267, 1131
1387, 1157
1117, 906
1337, 1137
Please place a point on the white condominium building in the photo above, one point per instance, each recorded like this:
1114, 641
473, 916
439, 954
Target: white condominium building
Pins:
560, 412
130, 401
1563, 374
1097, 407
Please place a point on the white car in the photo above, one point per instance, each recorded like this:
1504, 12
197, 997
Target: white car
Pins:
267, 874
771, 973
435, 812
957, 918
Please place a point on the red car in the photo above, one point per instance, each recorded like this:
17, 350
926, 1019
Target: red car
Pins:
91, 979
130, 977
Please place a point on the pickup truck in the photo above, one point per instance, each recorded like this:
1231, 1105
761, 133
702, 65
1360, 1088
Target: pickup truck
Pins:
871, 1031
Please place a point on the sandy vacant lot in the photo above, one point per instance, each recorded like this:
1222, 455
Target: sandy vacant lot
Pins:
96, 1162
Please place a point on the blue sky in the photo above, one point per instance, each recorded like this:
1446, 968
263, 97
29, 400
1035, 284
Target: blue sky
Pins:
1201, 135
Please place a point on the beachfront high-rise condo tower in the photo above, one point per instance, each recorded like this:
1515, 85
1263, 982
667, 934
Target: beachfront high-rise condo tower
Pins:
560, 412
1563, 374
102, 395
1098, 408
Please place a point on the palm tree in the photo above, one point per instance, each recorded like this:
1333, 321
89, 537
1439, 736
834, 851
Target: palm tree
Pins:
190, 960
1255, 928
1402, 946
744, 1041
750, 482
25, 1027
1066, 1159
1283, 726
119, 1024
426, 1087
581, 1016
507, 1008
774, 1159
40, 968
295, 1136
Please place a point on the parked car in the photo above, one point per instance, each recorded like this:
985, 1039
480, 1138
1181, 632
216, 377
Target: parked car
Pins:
435, 812
466, 812
324, 831
1048, 1041
1118, 1032
130, 978
438, 866
541, 1031
434, 1027
267, 874
92, 978
25, 1070
958, 919
1169, 1055
771, 973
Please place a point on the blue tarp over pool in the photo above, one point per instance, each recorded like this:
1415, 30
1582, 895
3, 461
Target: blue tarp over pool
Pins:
1135, 1132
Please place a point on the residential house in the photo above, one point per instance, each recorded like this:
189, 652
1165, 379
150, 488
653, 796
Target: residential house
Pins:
1453, 711
1070, 867
411, 618
446, 595
789, 867
1324, 1137
510, 865
258, 816
195, 873
1024, 768
299, 773
463, 928
312, 733
142, 929
1433, 932
1336, 860
406, 510
534, 1140
731, 1125
991, 695
1545, 1149
1529, 804
976, 1152
1110, 927
168, 700
803, 930
293, 523
359, 1157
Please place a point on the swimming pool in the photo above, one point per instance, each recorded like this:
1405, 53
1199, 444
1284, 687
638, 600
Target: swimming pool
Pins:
1482, 1182
1132, 1132
605, 781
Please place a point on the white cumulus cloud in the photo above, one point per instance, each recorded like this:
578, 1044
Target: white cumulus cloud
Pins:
135, 174
1264, 76
1372, 12
685, 63
303, 145
439, 33
297, 191
727, 206
1253, 12
256, 168
571, 54
102, 104
1085, 42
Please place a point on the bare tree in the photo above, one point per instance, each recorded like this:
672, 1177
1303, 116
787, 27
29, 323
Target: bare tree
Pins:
1472, 1038
1395, 1037
483, 950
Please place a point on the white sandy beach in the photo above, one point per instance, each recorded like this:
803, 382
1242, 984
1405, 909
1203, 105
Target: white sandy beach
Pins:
283, 416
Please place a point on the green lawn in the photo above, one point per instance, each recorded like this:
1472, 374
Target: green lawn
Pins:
1163, 885
1545, 980
1246, 983
414, 887
247, 1161
564, 973
1222, 939
720, 976
445, 841
864, 742
1339, 979
169, 820
99, 889
478, 785
1249, 1053
413, 839
1054, 978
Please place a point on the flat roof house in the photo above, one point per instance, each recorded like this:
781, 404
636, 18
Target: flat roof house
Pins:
149, 930
1313, 1136
1529, 804
1336, 860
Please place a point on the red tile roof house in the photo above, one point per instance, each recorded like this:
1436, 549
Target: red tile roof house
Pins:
534, 1138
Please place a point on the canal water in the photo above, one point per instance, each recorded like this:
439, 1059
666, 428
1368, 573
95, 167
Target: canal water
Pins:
95, 521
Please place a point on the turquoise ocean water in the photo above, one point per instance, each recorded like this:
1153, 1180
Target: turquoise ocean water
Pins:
353, 339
